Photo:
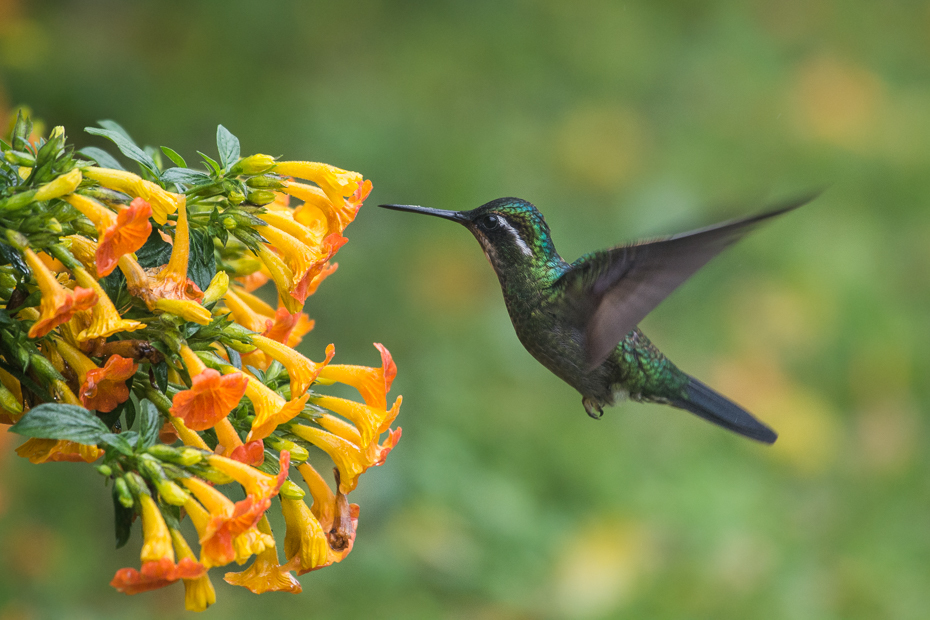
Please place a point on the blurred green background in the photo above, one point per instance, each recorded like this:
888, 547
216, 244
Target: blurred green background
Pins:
619, 120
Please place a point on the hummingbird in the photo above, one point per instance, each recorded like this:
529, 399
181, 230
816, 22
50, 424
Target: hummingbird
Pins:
580, 320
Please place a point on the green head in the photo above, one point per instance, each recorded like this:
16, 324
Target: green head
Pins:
511, 231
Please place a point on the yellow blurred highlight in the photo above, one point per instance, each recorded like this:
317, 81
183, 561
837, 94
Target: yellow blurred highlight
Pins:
771, 317
838, 102
602, 146
809, 433
447, 280
601, 567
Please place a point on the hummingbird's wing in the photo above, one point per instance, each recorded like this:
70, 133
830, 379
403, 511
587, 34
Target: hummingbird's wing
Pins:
613, 290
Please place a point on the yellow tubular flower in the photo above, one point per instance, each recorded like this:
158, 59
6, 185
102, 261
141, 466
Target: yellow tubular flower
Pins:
252, 542
243, 313
283, 278
65, 184
188, 437
157, 538
217, 288
102, 217
366, 419
163, 202
256, 303
338, 426
336, 182
186, 309
271, 409
172, 281
265, 574
302, 371
298, 256
347, 456
105, 321
58, 303
198, 593
256, 483
304, 536
85, 250
324, 500
287, 223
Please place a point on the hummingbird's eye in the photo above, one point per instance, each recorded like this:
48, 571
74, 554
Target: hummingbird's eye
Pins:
490, 222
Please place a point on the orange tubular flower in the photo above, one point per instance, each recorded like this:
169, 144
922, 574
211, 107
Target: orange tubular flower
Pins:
368, 420
118, 234
102, 389
372, 383
302, 371
172, 281
299, 257
158, 565
310, 282
162, 201
324, 500
265, 574
105, 320
307, 545
271, 409
211, 397
258, 485
58, 303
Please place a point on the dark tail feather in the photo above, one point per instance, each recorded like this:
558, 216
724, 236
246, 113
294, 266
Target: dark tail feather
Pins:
713, 407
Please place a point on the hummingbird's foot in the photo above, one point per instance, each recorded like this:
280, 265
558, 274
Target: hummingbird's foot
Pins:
594, 410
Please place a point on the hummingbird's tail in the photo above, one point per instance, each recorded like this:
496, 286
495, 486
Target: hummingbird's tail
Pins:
702, 401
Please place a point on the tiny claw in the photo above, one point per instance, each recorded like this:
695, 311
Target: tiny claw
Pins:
593, 408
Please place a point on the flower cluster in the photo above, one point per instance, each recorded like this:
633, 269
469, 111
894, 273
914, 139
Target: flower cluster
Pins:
132, 334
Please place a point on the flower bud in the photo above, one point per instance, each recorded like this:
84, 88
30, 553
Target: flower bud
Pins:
105, 470
20, 158
289, 490
299, 454
212, 475
9, 401
217, 289
65, 184
261, 197
253, 164
235, 197
171, 493
44, 368
229, 223
265, 182
123, 494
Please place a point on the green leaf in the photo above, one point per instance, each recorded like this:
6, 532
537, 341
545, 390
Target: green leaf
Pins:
149, 424
119, 442
160, 370
155, 252
185, 176
103, 159
174, 156
122, 518
201, 266
126, 146
228, 147
60, 421
211, 163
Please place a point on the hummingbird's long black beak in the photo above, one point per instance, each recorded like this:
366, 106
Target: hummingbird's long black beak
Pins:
455, 216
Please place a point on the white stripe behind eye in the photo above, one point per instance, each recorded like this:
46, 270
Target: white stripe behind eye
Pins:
516, 236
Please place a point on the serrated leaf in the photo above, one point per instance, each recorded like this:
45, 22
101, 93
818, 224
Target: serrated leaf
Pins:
228, 147
122, 520
149, 424
185, 176
60, 421
174, 156
103, 159
118, 442
126, 146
